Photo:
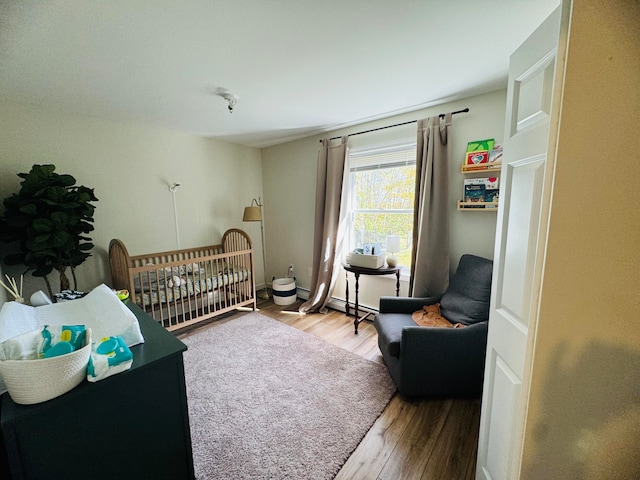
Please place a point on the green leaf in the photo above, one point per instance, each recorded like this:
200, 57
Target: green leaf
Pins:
67, 180
44, 170
55, 193
60, 238
43, 271
60, 218
36, 247
42, 225
87, 227
29, 209
42, 238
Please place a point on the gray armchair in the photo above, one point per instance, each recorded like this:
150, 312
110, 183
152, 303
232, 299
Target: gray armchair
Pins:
427, 361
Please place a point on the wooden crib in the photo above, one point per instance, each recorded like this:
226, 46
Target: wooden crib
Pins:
183, 287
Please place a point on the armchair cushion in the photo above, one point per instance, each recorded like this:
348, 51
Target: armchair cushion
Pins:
467, 298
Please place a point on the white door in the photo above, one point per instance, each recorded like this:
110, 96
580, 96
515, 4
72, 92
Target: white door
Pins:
527, 174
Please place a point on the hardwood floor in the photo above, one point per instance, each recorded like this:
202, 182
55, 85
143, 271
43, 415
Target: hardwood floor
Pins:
427, 439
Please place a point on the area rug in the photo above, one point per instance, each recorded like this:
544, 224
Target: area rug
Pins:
268, 401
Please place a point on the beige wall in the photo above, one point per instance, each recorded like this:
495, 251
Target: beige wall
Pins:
130, 167
289, 181
584, 408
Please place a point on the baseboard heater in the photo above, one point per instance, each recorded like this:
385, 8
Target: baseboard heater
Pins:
337, 303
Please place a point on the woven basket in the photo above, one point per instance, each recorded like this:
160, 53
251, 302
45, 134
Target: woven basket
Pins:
35, 381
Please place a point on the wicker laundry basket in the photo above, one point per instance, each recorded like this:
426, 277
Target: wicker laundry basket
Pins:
35, 381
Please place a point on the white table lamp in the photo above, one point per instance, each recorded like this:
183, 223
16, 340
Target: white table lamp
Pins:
393, 246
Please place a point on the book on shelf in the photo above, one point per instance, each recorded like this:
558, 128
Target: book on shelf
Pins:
477, 155
495, 155
476, 160
474, 193
481, 145
481, 190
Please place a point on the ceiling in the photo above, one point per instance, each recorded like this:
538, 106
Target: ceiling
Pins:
298, 67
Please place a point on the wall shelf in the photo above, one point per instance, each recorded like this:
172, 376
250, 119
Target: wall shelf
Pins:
478, 206
481, 168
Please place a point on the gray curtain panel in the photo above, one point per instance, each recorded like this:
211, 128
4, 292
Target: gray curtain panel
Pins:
430, 251
327, 240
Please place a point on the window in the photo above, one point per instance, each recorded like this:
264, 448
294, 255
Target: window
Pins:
382, 188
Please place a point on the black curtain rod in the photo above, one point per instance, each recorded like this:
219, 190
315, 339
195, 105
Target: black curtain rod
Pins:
466, 110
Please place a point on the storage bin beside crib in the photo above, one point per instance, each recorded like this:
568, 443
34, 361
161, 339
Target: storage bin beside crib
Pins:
284, 291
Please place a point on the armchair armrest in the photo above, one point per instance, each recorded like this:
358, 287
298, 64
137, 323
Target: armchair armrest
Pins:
405, 304
443, 361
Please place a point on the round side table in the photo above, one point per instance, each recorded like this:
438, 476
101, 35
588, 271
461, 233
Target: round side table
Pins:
357, 271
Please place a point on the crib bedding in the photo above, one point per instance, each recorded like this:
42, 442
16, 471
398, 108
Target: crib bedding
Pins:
151, 276
158, 290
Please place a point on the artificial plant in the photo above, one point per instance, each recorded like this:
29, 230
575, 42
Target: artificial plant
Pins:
48, 220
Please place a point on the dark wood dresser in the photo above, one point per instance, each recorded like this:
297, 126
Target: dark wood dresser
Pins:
133, 425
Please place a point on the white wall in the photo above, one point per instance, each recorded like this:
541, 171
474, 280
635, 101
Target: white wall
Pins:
130, 167
289, 182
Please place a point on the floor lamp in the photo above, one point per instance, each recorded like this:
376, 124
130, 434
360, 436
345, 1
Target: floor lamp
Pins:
253, 213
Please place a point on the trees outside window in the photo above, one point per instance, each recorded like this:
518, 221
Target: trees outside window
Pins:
382, 187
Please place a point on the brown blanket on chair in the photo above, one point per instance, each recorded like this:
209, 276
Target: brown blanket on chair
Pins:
429, 316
